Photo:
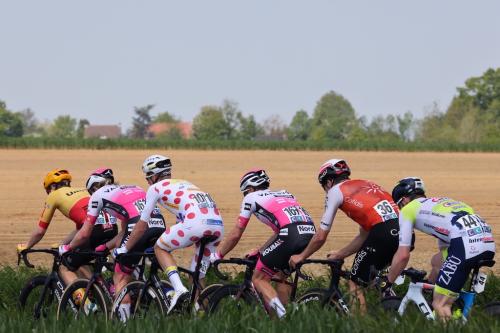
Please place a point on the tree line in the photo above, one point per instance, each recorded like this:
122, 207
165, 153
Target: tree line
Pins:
473, 116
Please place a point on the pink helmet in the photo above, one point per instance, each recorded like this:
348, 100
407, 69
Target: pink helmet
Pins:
100, 175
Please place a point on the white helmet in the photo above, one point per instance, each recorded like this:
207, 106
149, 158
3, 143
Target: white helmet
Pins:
101, 175
156, 164
254, 178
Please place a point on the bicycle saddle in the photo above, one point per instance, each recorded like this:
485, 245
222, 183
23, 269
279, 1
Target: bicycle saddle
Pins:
485, 263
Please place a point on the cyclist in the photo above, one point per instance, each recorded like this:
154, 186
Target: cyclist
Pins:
125, 202
196, 215
464, 238
292, 228
71, 202
367, 204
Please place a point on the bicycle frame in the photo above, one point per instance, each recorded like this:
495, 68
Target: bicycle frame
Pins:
414, 294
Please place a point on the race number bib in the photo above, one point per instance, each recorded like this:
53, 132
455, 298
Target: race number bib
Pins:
297, 214
140, 204
385, 210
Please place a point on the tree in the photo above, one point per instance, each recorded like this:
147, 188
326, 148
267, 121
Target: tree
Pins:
274, 128
483, 90
82, 124
333, 118
10, 123
210, 124
166, 117
63, 127
405, 125
141, 122
249, 128
233, 117
300, 126
30, 123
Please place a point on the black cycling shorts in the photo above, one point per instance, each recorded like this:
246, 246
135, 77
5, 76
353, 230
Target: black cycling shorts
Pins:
377, 250
147, 240
100, 234
291, 239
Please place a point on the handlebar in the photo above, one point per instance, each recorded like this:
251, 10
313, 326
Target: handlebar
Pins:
23, 255
335, 266
232, 261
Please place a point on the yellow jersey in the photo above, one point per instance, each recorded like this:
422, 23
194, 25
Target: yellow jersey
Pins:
71, 201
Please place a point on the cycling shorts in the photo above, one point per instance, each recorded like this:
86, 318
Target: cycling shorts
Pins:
377, 251
147, 240
291, 239
101, 233
456, 268
188, 233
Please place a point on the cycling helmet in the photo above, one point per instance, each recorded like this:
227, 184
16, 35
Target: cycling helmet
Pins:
56, 176
156, 164
407, 187
331, 169
256, 177
99, 176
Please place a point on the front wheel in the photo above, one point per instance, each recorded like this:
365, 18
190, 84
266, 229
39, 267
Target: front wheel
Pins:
142, 303
206, 295
29, 298
229, 297
72, 303
492, 309
391, 304
317, 297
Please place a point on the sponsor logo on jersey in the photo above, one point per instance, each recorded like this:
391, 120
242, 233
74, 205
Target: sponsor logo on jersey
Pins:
70, 193
248, 206
95, 204
155, 223
358, 261
272, 247
284, 232
354, 202
212, 222
306, 229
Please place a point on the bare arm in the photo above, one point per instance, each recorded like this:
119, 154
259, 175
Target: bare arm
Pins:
36, 236
314, 245
399, 262
69, 237
230, 240
354, 245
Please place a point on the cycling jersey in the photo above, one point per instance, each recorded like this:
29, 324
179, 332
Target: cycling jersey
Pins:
445, 219
121, 201
362, 200
275, 209
464, 234
71, 201
196, 215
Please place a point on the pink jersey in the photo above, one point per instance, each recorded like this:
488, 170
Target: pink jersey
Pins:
273, 208
122, 201
184, 200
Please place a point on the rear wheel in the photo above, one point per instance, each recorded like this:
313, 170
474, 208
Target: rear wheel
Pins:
30, 297
143, 304
492, 309
205, 296
391, 304
73, 306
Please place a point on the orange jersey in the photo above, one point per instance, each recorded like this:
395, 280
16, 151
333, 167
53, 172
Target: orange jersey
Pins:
362, 200
70, 201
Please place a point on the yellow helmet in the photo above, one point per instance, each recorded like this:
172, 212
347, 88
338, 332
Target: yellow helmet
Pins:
56, 176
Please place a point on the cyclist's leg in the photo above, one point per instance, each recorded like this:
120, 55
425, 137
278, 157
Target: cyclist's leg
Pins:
283, 289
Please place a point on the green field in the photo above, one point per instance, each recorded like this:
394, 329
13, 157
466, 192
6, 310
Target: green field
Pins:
231, 320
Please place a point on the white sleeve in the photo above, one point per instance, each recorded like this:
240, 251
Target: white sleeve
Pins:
152, 196
95, 204
405, 230
334, 199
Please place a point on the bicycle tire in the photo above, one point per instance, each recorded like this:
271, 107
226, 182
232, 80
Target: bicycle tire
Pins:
96, 297
206, 294
140, 306
390, 304
229, 293
317, 297
30, 295
492, 309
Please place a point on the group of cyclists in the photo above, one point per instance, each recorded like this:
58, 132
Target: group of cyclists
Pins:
386, 224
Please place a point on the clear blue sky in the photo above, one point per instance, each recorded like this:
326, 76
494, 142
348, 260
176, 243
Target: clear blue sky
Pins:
99, 59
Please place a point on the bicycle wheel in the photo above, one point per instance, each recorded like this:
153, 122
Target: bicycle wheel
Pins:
205, 295
30, 296
229, 297
317, 297
391, 304
94, 306
492, 309
143, 305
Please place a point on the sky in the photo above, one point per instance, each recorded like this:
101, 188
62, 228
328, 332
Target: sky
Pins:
99, 59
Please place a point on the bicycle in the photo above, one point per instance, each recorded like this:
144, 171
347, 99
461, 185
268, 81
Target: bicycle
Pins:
151, 297
244, 293
463, 305
98, 294
52, 286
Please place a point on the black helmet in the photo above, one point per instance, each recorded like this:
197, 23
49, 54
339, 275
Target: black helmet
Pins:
407, 187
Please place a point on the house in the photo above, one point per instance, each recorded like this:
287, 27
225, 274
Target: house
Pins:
157, 129
102, 131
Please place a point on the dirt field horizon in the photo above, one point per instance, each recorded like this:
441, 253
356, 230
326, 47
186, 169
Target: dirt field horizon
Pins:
470, 177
